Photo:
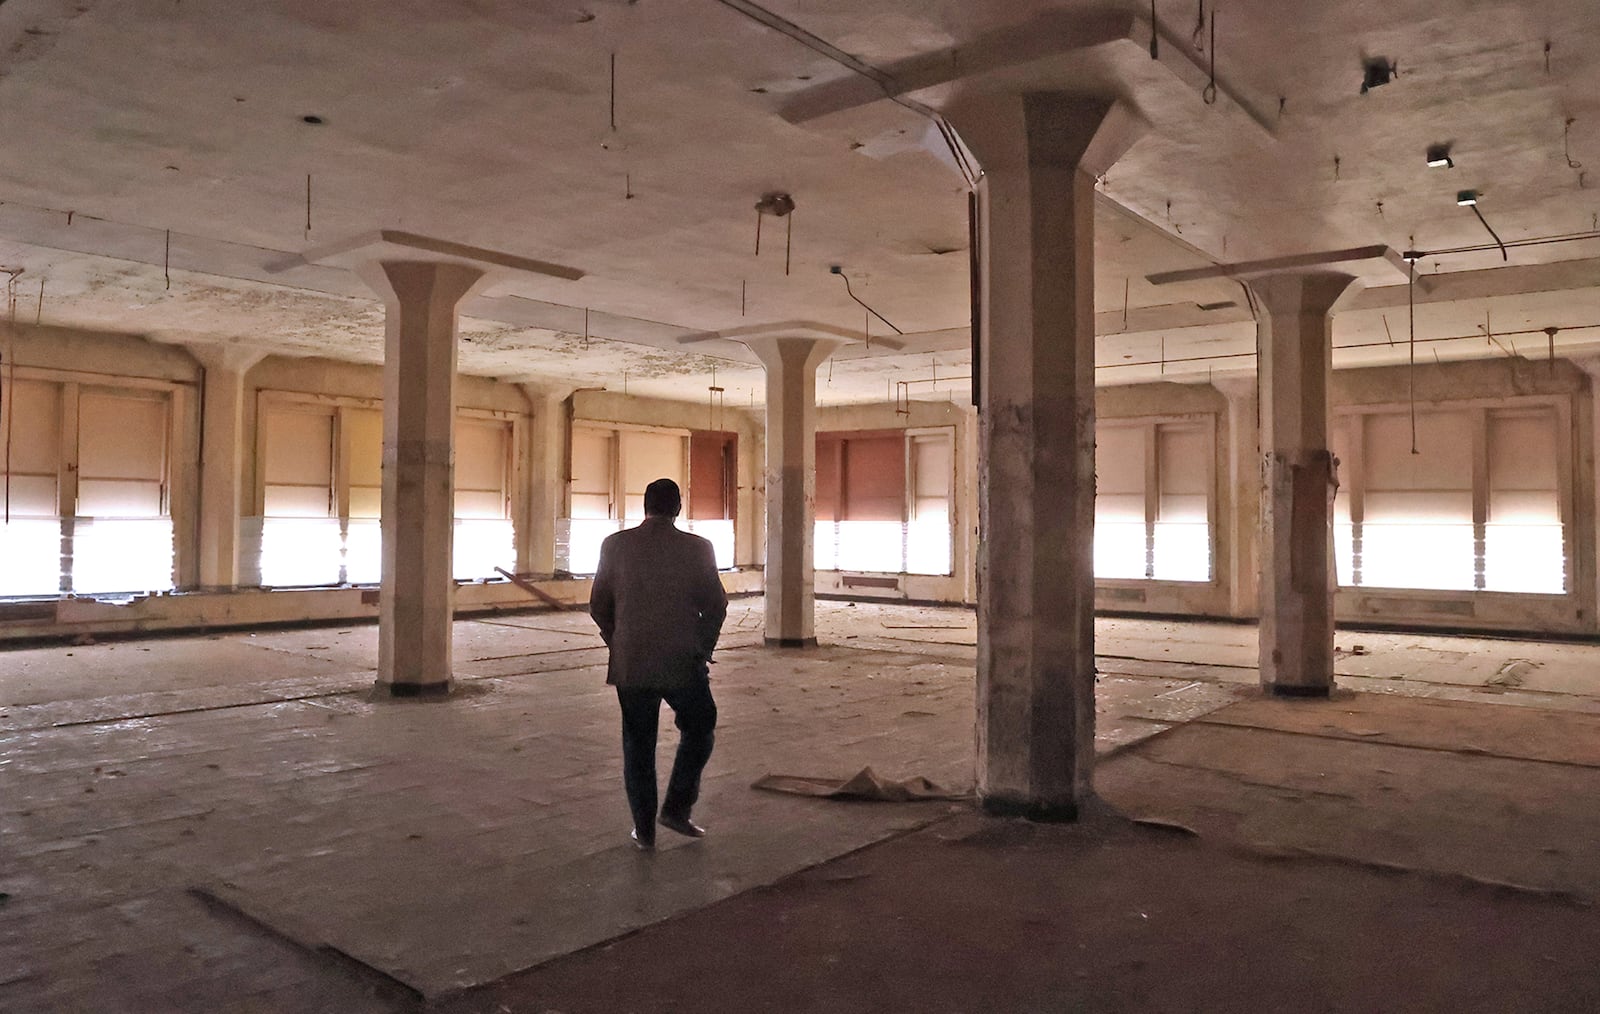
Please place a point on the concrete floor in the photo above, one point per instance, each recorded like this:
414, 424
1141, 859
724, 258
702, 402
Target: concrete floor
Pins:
231, 822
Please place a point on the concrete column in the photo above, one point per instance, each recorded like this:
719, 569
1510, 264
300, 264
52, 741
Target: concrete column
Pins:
1583, 541
1242, 472
1298, 478
1035, 725
791, 480
967, 495
546, 491
221, 461
419, 372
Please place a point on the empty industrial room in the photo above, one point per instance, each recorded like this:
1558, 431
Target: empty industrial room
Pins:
1107, 493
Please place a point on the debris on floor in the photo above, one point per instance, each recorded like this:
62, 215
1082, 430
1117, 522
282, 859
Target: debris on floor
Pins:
1513, 674
866, 784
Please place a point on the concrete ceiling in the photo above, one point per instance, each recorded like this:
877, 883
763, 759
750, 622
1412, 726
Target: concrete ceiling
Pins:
156, 170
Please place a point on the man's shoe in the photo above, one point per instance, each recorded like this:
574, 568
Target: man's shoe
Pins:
682, 825
642, 844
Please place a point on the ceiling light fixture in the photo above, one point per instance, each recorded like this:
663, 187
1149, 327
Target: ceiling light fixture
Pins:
1467, 199
1439, 157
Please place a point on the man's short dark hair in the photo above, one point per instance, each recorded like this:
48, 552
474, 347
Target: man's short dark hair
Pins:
663, 498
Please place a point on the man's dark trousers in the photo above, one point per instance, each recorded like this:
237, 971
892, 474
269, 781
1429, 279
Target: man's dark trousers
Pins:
695, 714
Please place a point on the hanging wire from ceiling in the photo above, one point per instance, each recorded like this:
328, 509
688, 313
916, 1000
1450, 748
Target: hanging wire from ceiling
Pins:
11, 379
166, 261
1411, 343
852, 294
1155, 33
1497, 241
1199, 26
779, 205
1488, 331
308, 205
716, 402
1566, 143
1209, 94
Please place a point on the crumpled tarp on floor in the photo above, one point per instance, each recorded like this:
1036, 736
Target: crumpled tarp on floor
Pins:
866, 784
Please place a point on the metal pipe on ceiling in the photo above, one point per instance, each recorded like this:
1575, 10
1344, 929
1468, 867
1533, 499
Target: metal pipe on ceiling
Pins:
1357, 345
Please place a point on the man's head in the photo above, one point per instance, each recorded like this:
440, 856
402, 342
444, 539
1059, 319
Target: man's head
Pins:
662, 499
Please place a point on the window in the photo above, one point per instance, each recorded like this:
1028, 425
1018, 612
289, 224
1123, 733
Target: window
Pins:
484, 538
361, 430
1153, 494
609, 470
85, 489
883, 501
928, 531
1477, 507
322, 493
122, 541
1121, 547
713, 494
30, 539
301, 539
1522, 543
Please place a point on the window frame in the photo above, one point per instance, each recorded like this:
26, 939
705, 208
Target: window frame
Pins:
71, 385
1351, 476
1151, 425
908, 437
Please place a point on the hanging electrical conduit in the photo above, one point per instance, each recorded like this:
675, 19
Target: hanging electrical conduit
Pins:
1414, 256
1476, 336
822, 47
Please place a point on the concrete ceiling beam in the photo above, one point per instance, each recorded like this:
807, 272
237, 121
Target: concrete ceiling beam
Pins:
1054, 48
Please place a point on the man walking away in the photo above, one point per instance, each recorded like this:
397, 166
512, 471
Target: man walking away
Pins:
660, 605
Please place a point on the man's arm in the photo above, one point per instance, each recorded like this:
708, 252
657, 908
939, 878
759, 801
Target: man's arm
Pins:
711, 602
602, 597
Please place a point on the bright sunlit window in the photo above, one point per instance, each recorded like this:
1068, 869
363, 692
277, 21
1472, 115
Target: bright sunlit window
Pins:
1158, 530
612, 465
322, 488
1411, 520
884, 501
116, 536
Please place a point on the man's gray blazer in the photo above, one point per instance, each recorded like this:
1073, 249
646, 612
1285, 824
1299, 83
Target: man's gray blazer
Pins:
659, 604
